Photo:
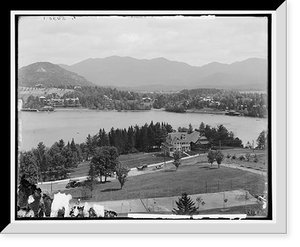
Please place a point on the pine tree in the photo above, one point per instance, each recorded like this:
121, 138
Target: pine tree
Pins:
261, 140
91, 178
185, 206
130, 138
211, 157
190, 129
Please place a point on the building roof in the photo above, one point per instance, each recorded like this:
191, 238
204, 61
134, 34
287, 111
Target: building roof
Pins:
203, 140
192, 137
167, 144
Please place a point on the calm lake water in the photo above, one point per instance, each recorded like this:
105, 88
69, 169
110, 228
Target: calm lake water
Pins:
78, 123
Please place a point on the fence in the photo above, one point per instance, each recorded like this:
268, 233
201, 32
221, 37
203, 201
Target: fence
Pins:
206, 195
192, 187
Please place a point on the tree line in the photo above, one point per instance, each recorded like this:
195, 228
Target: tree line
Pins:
106, 98
248, 104
44, 164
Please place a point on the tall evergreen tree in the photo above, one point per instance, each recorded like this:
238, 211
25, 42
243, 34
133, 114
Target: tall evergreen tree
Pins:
137, 137
185, 206
130, 139
40, 160
190, 129
91, 178
144, 139
261, 140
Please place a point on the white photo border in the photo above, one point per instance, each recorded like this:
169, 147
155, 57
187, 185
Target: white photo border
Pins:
278, 224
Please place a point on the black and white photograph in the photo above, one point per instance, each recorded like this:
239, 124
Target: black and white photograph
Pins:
143, 116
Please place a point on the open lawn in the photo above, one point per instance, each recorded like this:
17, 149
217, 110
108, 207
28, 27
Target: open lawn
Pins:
191, 177
131, 160
261, 163
138, 159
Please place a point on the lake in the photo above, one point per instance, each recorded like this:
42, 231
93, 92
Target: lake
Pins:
78, 123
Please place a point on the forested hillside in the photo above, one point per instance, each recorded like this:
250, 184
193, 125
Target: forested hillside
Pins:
106, 98
49, 75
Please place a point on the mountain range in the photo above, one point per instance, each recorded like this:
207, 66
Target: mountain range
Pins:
143, 73
154, 74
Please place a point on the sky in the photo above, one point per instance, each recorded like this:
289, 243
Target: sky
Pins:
193, 40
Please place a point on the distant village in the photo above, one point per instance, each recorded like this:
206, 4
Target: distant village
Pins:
39, 98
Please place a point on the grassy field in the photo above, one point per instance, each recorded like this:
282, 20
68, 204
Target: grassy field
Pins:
138, 159
261, 164
131, 160
192, 177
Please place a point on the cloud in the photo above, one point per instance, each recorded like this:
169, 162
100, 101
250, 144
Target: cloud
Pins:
188, 39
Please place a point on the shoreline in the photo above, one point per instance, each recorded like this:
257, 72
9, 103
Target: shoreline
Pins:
206, 112
192, 111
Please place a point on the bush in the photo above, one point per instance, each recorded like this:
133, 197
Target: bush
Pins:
219, 156
242, 157
228, 156
255, 158
247, 156
233, 157
211, 157
177, 159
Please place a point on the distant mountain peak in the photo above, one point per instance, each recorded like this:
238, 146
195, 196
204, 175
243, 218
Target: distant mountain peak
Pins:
49, 74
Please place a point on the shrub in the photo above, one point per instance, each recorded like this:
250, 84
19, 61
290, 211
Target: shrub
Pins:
177, 159
233, 157
255, 158
219, 156
247, 156
211, 157
122, 173
242, 157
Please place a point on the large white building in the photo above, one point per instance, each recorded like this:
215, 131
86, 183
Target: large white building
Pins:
183, 141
